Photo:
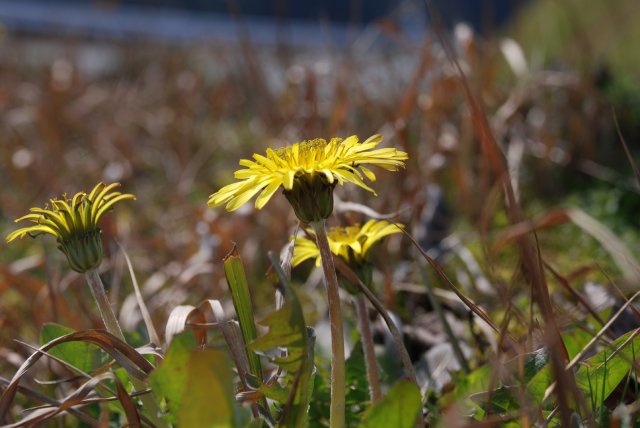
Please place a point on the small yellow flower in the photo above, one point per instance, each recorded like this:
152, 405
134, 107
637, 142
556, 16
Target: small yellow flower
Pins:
308, 171
74, 223
353, 243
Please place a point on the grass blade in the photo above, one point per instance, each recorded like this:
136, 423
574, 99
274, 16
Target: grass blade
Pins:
237, 280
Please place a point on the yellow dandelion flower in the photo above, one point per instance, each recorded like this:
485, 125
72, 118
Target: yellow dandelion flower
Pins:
352, 243
308, 172
74, 223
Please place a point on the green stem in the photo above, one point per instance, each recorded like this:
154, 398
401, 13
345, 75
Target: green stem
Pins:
337, 409
111, 324
371, 364
99, 295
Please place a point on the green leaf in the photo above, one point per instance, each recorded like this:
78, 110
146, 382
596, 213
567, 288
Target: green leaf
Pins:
237, 280
539, 384
502, 400
357, 394
319, 407
599, 376
534, 362
287, 329
478, 380
208, 400
169, 380
197, 385
399, 408
576, 341
82, 355
467, 385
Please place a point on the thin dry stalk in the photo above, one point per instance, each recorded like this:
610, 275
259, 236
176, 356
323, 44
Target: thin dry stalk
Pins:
373, 374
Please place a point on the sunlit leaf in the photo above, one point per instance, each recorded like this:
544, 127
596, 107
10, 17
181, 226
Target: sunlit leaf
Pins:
208, 399
399, 408
539, 384
82, 355
601, 374
169, 380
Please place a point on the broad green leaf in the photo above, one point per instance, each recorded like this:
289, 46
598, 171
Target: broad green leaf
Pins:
169, 380
208, 399
539, 384
357, 394
576, 341
197, 385
320, 405
399, 408
502, 400
82, 355
478, 380
472, 389
237, 281
287, 329
534, 362
599, 376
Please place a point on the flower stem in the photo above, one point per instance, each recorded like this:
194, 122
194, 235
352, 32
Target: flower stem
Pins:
99, 295
371, 364
337, 409
112, 326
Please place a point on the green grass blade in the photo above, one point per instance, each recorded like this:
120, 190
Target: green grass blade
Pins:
237, 280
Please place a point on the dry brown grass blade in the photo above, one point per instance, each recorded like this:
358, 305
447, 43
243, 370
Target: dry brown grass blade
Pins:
70, 367
495, 158
178, 320
618, 250
151, 330
520, 230
38, 396
353, 278
468, 303
42, 414
615, 246
130, 409
135, 364
579, 298
636, 173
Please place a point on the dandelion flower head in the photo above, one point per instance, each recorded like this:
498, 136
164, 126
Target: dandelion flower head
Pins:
327, 162
74, 223
352, 243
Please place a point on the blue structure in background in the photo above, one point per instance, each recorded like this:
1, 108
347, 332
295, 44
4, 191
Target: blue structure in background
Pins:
306, 22
344, 11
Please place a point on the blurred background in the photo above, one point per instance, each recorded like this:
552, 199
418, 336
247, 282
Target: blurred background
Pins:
166, 96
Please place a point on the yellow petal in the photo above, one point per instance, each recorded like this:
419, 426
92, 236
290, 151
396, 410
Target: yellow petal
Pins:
267, 193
